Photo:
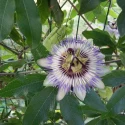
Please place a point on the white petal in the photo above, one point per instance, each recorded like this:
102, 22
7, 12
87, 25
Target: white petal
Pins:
61, 94
101, 56
105, 70
99, 84
80, 93
43, 62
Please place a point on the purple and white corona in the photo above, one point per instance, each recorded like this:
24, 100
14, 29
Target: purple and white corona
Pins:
74, 65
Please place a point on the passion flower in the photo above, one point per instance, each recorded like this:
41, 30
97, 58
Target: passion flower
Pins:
74, 65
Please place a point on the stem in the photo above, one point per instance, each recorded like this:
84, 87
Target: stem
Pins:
68, 15
112, 55
64, 3
112, 61
23, 72
9, 48
77, 27
6, 105
80, 14
107, 14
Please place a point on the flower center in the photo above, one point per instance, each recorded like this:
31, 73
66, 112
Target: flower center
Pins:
73, 62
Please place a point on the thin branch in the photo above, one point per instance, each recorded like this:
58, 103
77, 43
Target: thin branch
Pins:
9, 48
107, 14
24, 72
77, 27
80, 14
112, 61
111, 55
64, 3
69, 15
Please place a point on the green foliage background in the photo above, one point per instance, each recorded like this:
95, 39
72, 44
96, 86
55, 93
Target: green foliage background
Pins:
28, 30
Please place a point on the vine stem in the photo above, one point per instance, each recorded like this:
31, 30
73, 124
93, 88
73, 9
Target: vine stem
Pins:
77, 27
23, 72
16, 53
64, 4
112, 61
107, 14
80, 14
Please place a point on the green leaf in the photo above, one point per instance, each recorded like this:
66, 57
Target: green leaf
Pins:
107, 51
115, 78
69, 107
8, 124
117, 102
100, 14
97, 36
94, 121
122, 57
106, 122
7, 8
23, 85
29, 21
119, 119
90, 16
121, 18
6, 79
121, 44
118, 122
105, 93
98, 121
121, 22
94, 101
16, 36
14, 64
89, 111
43, 6
88, 5
39, 52
57, 13
121, 3
39, 107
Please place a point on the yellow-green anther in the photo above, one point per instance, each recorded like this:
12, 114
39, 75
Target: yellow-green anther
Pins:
77, 52
77, 68
69, 58
82, 59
